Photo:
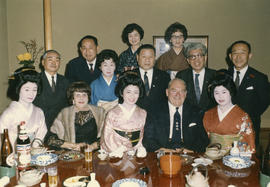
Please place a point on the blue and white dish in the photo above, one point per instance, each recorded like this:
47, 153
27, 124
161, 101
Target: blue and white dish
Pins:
129, 180
44, 159
236, 162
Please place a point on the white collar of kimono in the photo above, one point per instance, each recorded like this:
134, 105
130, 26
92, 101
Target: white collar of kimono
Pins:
127, 113
24, 112
108, 82
222, 115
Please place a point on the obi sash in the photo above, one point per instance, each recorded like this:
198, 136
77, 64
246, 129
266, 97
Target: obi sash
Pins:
133, 136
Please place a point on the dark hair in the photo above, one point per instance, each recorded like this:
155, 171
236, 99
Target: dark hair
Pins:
79, 86
41, 67
19, 78
125, 79
240, 42
129, 29
90, 37
174, 28
107, 54
222, 78
146, 46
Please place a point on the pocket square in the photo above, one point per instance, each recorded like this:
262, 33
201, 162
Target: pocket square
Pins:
192, 124
250, 88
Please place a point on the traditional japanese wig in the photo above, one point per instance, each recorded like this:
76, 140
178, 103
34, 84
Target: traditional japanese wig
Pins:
129, 29
222, 78
79, 86
20, 77
107, 54
174, 28
125, 79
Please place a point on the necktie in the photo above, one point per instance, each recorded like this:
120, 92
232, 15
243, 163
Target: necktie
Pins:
53, 84
91, 68
146, 83
237, 80
197, 87
176, 137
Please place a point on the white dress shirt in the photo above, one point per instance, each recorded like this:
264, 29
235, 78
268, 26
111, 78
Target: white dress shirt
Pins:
241, 74
49, 77
92, 62
201, 78
149, 75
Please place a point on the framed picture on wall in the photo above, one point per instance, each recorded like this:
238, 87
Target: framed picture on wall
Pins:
161, 46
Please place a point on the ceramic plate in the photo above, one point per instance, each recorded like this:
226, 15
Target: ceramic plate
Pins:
76, 181
44, 159
71, 156
128, 182
237, 162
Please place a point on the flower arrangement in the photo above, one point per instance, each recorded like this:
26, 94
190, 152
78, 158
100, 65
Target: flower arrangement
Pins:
31, 56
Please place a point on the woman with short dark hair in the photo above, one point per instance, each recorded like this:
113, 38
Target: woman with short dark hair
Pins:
227, 122
132, 36
124, 124
24, 86
79, 124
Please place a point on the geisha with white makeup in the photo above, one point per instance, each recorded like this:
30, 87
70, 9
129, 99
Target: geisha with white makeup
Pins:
226, 118
124, 124
23, 88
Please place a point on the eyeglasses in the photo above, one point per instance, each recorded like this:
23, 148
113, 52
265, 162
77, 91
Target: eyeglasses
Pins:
193, 57
174, 37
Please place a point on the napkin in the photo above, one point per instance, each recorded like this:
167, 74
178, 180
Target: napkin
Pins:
4, 181
141, 152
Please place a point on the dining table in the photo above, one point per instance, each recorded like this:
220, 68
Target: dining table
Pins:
109, 171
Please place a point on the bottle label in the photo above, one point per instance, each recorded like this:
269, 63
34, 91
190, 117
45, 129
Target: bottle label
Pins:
24, 155
10, 160
23, 136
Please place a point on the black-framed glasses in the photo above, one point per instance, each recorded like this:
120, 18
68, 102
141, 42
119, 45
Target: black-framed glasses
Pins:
193, 57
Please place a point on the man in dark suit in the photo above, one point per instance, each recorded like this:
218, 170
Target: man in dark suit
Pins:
252, 85
53, 96
155, 80
175, 123
83, 68
197, 77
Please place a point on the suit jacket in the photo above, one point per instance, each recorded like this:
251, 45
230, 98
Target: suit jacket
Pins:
253, 96
157, 129
205, 102
52, 102
157, 90
77, 70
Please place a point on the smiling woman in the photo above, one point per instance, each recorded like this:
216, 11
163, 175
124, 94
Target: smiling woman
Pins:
24, 85
79, 124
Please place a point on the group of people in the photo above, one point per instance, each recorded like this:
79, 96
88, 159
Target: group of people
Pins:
133, 102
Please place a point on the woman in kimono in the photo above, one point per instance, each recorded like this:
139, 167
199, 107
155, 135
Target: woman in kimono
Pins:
227, 122
23, 88
132, 36
124, 124
102, 89
174, 60
79, 124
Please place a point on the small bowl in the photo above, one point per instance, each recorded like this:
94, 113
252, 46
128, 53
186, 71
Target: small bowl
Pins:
170, 164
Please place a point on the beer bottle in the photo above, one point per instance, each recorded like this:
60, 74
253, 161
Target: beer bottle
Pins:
266, 159
23, 148
6, 150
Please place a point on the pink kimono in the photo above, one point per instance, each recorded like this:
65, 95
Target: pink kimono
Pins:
118, 120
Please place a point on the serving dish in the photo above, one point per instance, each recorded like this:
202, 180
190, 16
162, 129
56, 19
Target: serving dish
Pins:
237, 162
129, 182
203, 161
71, 156
79, 181
43, 159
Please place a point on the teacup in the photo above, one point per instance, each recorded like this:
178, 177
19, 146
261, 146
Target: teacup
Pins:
212, 152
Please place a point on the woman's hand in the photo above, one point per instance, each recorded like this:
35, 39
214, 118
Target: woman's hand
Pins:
72, 146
